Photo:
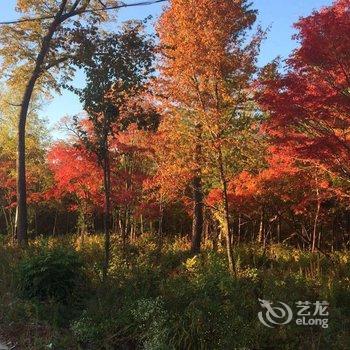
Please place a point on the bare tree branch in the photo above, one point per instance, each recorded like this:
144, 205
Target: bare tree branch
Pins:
103, 5
78, 12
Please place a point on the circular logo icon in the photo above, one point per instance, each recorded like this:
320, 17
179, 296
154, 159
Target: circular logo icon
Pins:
274, 315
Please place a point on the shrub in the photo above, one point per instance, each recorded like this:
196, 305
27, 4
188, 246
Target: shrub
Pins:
176, 300
53, 273
151, 319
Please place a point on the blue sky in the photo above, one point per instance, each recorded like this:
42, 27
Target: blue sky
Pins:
279, 14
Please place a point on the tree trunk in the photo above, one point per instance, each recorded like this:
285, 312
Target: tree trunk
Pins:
227, 232
106, 214
197, 227
239, 229
128, 223
55, 223
261, 227
206, 231
22, 217
160, 240
314, 231
160, 225
198, 207
141, 224
333, 233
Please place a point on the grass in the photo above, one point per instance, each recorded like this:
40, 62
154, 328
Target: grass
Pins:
161, 297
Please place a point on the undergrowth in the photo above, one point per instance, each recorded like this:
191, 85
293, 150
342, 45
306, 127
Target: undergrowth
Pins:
161, 297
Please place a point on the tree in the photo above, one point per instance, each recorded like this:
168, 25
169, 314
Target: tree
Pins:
309, 105
77, 178
232, 144
117, 70
205, 70
37, 139
38, 45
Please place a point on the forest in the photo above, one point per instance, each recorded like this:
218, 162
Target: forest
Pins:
198, 200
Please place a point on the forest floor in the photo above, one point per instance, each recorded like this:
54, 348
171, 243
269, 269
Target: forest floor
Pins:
159, 296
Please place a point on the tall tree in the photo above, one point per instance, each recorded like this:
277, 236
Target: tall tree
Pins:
37, 140
309, 105
203, 53
35, 47
116, 71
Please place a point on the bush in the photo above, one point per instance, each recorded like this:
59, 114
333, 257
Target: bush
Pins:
53, 273
151, 319
169, 299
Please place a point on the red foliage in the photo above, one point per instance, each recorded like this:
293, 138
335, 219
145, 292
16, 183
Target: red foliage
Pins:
78, 175
309, 105
75, 173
